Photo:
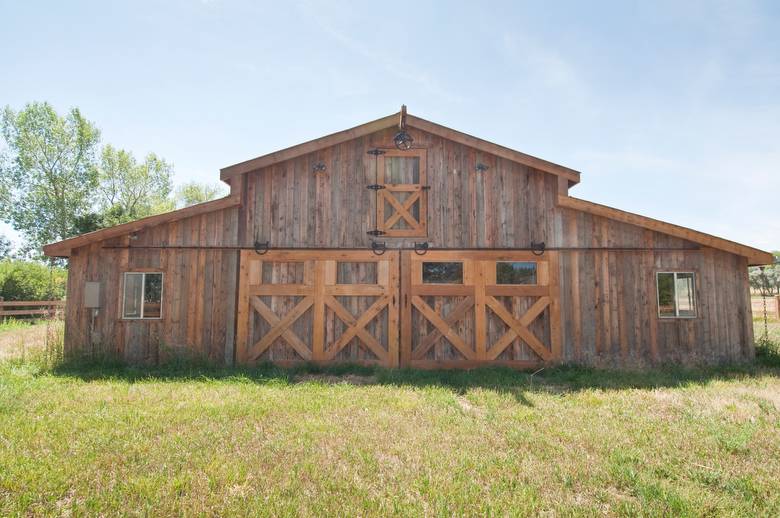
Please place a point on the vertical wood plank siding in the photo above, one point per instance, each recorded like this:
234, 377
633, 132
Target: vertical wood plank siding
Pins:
199, 294
607, 303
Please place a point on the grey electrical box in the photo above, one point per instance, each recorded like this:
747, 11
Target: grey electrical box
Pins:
92, 295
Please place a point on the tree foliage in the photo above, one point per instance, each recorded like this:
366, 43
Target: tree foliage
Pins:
49, 171
5, 248
128, 190
31, 280
766, 281
52, 185
192, 193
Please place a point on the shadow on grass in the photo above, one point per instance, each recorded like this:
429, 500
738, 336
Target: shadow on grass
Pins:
560, 379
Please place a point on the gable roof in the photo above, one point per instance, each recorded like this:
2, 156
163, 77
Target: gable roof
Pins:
63, 248
388, 122
754, 256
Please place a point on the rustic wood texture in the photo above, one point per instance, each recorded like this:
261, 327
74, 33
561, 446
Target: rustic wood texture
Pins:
597, 306
198, 301
479, 321
319, 306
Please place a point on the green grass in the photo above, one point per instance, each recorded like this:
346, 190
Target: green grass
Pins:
189, 439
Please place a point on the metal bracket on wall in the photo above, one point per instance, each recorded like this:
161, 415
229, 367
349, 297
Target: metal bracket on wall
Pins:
262, 248
421, 248
537, 248
378, 248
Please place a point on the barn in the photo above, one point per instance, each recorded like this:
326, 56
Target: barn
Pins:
402, 242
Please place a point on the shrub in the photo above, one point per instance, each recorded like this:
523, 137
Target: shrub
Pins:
31, 280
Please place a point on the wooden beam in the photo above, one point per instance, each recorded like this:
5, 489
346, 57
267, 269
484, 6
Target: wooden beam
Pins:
288, 335
281, 326
451, 319
445, 330
356, 327
517, 328
755, 256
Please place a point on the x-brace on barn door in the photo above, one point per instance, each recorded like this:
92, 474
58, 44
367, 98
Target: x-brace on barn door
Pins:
440, 309
468, 308
321, 306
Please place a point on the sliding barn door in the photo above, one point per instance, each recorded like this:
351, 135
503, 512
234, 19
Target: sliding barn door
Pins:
468, 308
321, 306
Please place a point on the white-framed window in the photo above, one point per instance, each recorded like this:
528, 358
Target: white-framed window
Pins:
676, 294
142, 295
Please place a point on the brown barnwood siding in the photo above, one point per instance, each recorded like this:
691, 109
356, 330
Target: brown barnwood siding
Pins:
507, 206
609, 305
198, 292
607, 300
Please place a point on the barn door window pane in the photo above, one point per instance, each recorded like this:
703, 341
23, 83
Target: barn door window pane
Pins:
676, 294
142, 295
515, 273
442, 273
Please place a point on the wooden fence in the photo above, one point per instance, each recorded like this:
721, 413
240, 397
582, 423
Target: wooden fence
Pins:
31, 308
772, 307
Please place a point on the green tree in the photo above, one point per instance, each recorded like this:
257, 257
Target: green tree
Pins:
31, 280
5, 248
48, 172
193, 193
129, 190
766, 281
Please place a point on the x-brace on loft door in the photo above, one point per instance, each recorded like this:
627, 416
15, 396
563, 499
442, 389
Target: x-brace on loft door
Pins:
402, 200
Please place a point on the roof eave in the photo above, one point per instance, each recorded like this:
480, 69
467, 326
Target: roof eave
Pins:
755, 257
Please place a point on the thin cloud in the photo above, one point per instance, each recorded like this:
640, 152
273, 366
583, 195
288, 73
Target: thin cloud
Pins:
403, 71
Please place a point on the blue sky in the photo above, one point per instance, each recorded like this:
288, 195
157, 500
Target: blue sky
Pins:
669, 109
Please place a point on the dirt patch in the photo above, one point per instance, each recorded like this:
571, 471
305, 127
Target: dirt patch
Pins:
17, 342
330, 379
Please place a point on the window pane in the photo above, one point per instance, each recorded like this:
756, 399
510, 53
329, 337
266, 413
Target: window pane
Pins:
666, 295
402, 169
152, 295
132, 295
686, 295
442, 273
515, 273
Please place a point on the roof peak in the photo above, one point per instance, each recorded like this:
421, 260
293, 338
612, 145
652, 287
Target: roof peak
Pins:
402, 119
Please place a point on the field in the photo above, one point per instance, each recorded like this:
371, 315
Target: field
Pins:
188, 439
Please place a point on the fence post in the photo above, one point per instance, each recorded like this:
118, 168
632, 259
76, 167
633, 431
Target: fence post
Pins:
777, 307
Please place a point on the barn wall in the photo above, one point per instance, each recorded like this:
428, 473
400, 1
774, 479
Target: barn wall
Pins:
609, 305
199, 292
507, 206
608, 298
